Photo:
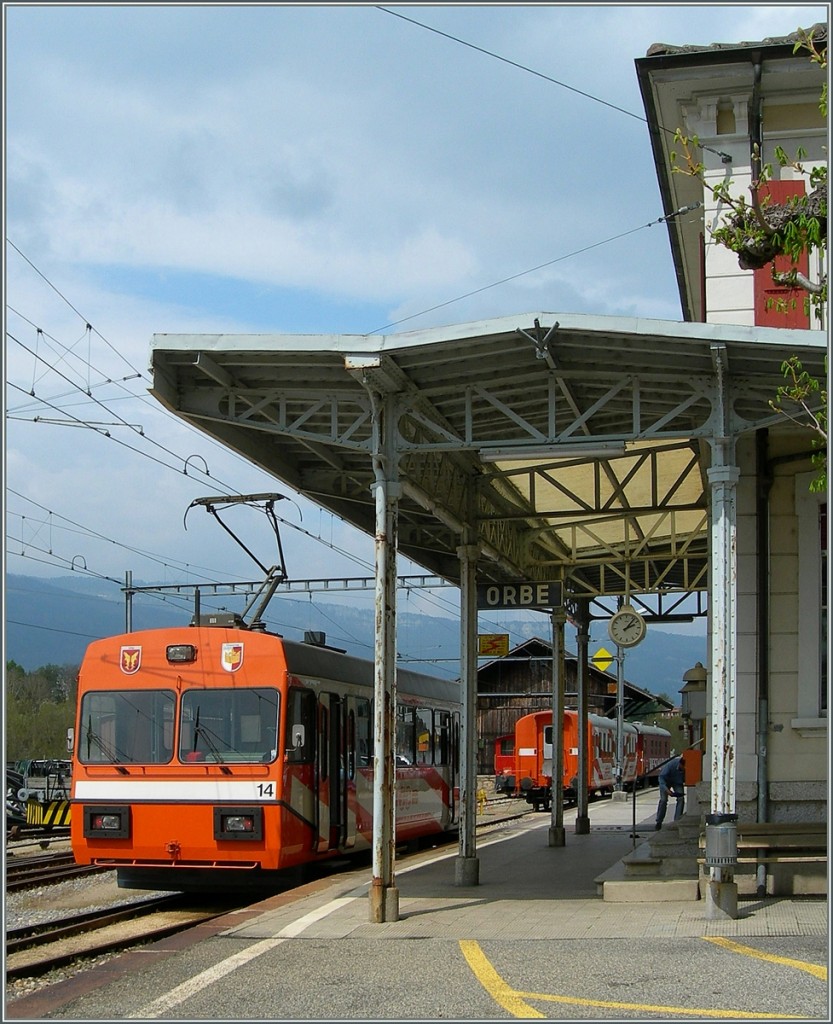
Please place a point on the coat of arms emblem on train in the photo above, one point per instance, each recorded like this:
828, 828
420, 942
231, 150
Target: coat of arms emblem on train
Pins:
231, 657
131, 659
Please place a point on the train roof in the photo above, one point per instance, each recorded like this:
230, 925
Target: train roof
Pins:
315, 660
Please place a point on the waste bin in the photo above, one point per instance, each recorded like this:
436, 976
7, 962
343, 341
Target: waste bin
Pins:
721, 840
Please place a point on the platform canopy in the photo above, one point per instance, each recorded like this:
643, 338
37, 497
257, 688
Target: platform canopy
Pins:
575, 446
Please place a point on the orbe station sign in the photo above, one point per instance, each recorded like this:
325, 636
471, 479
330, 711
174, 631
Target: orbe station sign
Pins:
520, 594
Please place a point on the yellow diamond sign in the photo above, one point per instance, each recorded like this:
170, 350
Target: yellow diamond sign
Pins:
602, 660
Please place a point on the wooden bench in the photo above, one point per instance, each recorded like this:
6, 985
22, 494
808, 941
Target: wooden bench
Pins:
779, 843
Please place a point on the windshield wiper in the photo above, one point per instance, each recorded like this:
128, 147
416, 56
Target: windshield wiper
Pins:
212, 746
102, 746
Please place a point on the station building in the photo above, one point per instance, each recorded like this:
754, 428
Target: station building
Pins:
743, 102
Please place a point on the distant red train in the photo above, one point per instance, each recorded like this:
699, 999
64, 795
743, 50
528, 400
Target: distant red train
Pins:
505, 763
528, 770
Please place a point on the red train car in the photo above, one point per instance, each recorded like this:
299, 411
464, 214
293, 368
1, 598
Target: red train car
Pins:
505, 763
653, 748
643, 746
210, 756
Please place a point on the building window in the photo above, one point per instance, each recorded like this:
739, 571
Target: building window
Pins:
811, 512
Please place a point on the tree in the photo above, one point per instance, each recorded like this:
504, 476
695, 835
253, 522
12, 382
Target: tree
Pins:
40, 707
807, 406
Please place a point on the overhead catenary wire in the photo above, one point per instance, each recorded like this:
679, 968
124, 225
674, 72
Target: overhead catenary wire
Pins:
66, 353
439, 602
725, 157
165, 563
541, 266
79, 422
74, 309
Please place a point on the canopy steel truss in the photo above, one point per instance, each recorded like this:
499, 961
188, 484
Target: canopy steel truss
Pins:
581, 443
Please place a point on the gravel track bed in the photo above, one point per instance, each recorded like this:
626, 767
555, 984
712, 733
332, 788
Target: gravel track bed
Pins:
51, 902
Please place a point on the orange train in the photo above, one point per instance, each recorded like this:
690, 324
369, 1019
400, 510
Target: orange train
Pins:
209, 756
646, 747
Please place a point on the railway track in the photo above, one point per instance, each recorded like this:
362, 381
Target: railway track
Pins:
29, 872
37, 949
20, 834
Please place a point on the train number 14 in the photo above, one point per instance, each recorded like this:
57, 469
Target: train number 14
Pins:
266, 789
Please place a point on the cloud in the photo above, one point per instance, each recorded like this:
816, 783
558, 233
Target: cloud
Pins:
316, 168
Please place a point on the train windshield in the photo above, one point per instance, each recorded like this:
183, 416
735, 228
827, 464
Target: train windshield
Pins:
233, 725
127, 727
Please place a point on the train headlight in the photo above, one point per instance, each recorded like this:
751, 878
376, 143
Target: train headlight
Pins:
238, 823
181, 653
106, 822
110, 822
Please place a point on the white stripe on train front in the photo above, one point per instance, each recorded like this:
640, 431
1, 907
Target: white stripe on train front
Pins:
176, 790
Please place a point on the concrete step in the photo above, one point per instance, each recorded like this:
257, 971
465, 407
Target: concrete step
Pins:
661, 858
616, 886
650, 890
643, 877
641, 862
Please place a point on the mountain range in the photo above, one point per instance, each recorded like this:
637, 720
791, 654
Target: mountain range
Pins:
50, 621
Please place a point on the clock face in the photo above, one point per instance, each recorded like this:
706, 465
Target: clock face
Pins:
627, 627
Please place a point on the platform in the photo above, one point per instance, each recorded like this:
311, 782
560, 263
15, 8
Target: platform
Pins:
535, 913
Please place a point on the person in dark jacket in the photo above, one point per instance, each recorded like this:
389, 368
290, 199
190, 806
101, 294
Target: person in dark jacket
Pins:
671, 781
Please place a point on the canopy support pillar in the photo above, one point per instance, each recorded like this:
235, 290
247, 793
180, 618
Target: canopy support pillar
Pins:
467, 866
384, 895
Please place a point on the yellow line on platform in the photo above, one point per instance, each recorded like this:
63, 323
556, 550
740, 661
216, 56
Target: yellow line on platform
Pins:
489, 978
799, 965
515, 1002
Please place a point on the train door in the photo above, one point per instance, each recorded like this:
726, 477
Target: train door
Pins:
351, 762
546, 751
331, 771
599, 757
454, 777
571, 741
446, 762
630, 755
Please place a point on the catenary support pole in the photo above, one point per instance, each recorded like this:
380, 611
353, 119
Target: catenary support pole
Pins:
128, 601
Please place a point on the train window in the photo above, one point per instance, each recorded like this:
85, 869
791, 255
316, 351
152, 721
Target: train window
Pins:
405, 745
324, 731
364, 749
226, 725
126, 727
350, 744
424, 736
442, 737
300, 725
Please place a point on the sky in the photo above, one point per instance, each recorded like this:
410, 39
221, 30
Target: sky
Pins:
297, 169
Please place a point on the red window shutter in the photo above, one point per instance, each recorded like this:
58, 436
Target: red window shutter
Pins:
767, 292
